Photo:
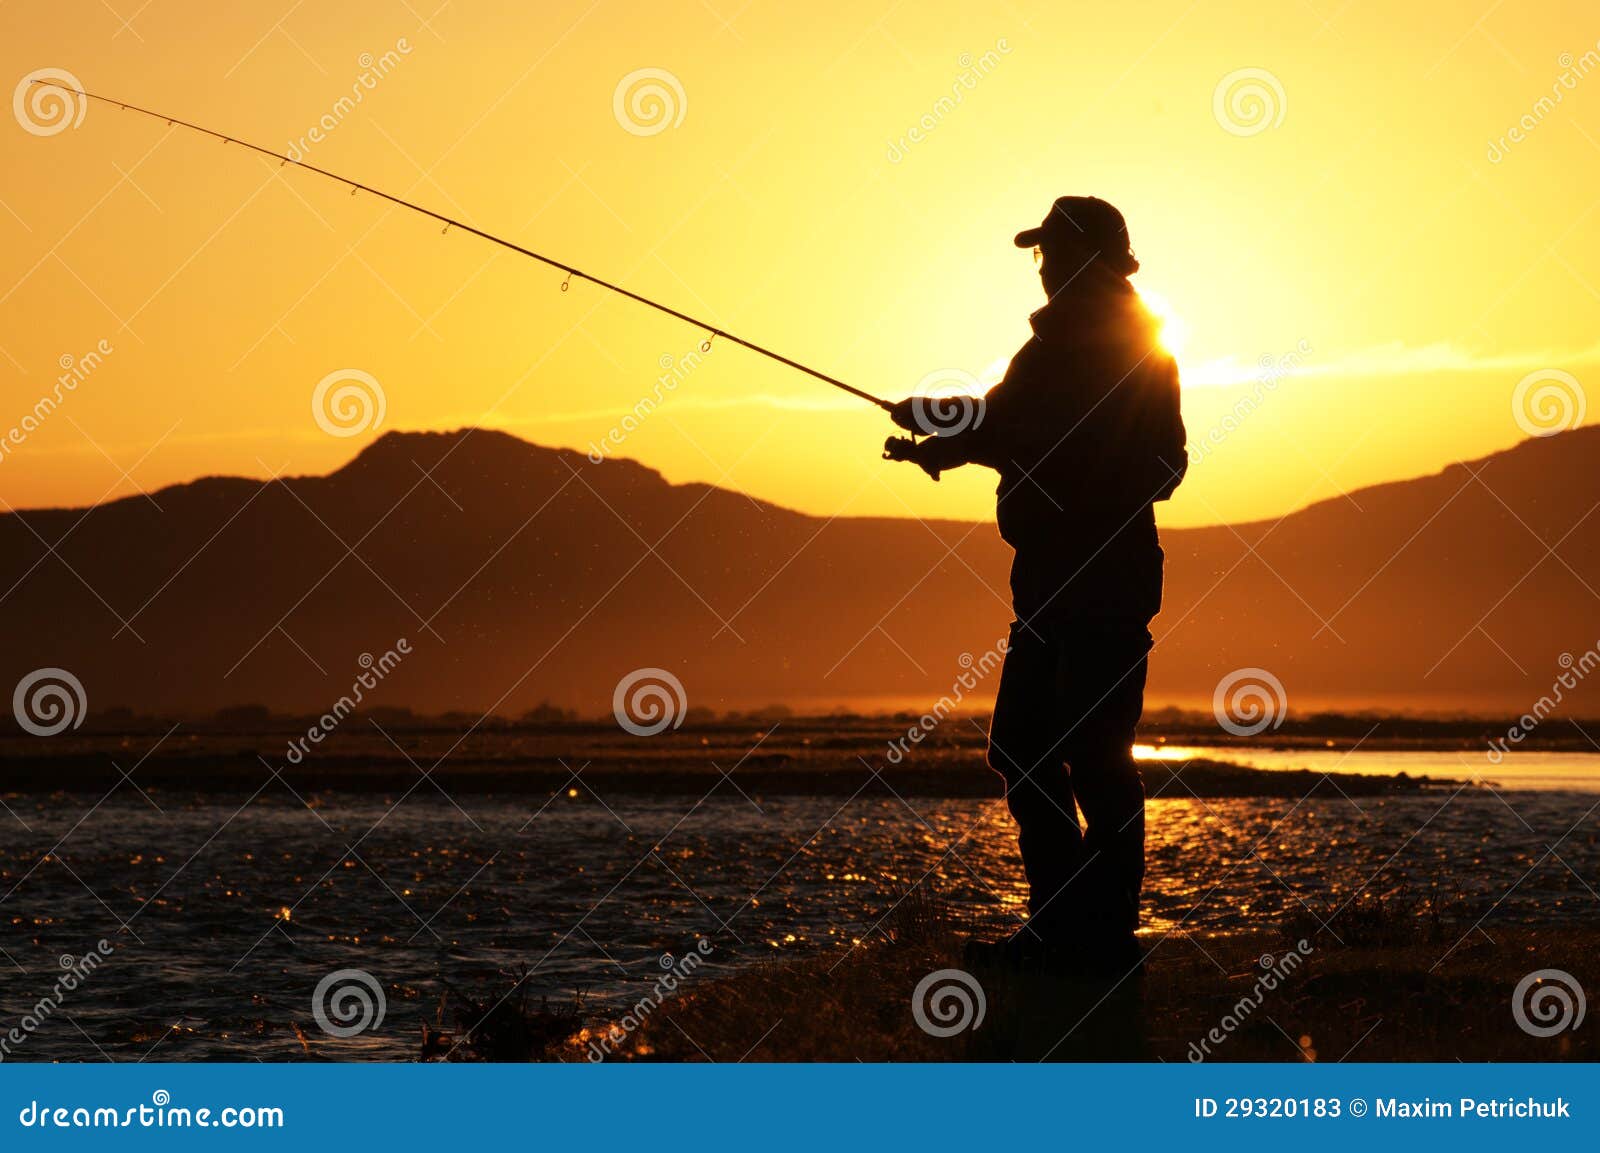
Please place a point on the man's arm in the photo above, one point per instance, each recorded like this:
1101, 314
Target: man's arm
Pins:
934, 454
987, 430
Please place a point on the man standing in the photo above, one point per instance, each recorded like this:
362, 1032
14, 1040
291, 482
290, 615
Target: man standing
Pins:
1086, 434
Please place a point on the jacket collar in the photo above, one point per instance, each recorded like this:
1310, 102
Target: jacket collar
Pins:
1092, 312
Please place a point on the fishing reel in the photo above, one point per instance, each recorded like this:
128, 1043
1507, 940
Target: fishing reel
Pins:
905, 448
899, 448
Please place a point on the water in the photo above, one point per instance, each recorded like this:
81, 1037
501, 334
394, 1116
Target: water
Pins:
235, 908
1572, 771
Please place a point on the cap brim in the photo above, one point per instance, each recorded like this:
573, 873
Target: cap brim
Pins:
1030, 238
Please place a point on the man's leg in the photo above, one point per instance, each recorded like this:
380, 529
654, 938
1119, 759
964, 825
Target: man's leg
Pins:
1025, 748
1106, 667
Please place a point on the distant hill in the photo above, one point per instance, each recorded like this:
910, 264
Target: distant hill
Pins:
520, 574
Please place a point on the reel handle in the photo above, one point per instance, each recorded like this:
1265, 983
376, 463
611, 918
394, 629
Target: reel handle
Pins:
898, 448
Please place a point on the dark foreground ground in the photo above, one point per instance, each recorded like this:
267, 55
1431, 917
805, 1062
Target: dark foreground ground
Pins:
1367, 1000
1409, 981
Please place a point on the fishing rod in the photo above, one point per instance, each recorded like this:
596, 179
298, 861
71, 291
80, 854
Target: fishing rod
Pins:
450, 222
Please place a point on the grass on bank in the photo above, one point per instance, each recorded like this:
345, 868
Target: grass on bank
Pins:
1387, 979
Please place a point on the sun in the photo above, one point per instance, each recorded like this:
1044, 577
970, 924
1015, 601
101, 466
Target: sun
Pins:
1174, 332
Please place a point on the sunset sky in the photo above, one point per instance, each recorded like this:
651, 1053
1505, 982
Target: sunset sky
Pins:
1379, 235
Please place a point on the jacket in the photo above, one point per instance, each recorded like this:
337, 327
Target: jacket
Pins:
1086, 432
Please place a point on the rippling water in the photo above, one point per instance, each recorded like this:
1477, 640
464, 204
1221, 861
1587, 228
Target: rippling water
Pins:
1538, 769
234, 910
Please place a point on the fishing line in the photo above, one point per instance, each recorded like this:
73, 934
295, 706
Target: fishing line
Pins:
712, 331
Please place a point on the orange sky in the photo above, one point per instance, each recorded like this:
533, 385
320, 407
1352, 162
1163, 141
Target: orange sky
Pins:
1378, 236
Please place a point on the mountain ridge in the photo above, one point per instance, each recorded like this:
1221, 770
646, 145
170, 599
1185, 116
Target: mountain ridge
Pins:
524, 574
387, 441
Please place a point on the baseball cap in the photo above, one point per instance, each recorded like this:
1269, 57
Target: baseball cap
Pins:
1084, 222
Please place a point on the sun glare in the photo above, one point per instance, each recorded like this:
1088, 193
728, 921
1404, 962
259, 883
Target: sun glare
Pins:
1174, 332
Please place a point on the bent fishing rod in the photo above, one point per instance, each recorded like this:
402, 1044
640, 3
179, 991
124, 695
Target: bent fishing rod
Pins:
450, 222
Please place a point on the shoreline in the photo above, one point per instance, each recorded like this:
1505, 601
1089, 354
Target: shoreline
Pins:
948, 777
381, 753
1326, 731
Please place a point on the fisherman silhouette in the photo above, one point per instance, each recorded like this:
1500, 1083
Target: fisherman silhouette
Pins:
1086, 434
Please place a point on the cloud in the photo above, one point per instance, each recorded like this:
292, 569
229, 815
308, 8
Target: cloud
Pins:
1395, 358
1385, 360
